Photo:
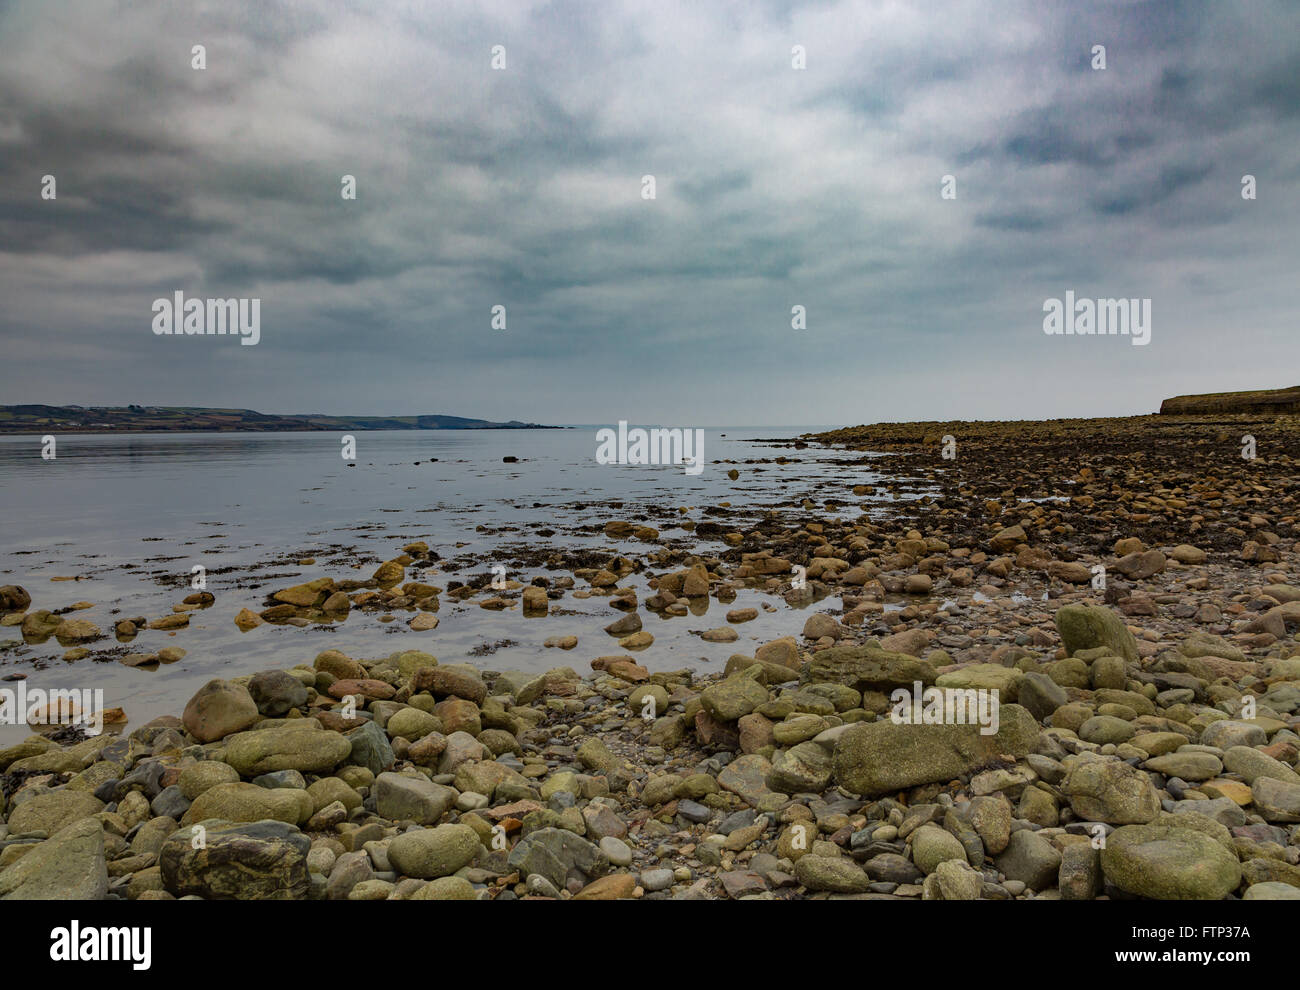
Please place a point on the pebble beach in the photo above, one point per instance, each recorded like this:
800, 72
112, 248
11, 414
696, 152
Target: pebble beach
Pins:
1129, 588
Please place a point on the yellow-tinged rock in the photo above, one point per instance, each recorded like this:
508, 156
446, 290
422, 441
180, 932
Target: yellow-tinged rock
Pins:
610, 888
1234, 790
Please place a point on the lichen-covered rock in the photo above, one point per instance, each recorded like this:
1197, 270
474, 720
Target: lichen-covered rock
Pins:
733, 698
868, 668
880, 757
67, 867
53, 811
1169, 863
429, 853
1085, 627
251, 803
306, 749
1111, 791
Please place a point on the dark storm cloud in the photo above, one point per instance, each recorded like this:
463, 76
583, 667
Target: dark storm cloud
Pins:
1146, 194
1278, 91
522, 188
1023, 221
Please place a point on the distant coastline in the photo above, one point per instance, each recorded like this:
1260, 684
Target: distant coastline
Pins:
198, 419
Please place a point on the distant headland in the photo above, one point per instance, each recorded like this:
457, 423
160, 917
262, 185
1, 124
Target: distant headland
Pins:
1278, 401
195, 419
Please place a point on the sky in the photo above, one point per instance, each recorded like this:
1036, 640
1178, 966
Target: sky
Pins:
774, 187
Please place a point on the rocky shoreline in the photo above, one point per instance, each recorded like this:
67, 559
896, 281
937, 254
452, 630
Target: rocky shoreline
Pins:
1148, 724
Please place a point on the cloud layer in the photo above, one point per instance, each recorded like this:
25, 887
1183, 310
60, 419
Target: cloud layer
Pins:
775, 187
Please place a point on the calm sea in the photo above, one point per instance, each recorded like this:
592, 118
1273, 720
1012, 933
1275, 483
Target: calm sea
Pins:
128, 516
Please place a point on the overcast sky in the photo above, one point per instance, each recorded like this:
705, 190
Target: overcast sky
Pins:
775, 187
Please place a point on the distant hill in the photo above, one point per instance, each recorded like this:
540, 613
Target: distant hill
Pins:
186, 419
1279, 401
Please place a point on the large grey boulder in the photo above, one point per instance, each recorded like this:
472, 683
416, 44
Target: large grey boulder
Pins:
68, 867
253, 861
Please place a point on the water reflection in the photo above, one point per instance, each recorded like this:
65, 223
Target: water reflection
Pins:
128, 515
